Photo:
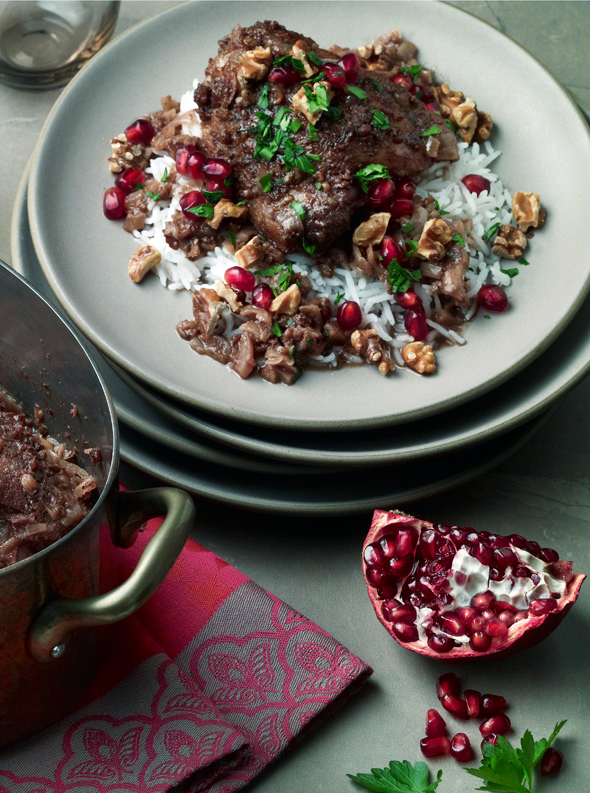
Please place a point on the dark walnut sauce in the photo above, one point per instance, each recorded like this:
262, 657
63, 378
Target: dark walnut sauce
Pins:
43, 493
303, 151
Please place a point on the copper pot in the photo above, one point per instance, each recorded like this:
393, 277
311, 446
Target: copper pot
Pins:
55, 607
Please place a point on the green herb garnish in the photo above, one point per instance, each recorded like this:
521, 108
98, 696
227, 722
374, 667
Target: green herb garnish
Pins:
298, 207
138, 186
431, 131
317, 99
318, 185
270, 271
295, 126
370, 172
312, 133
458, 238
398, 778
334, 113
266, 183
523, 261
232, 238
155, 196
486, 316
339, 297
277, 330
451, 124
491, 231
213, 196
414, 70
411, 248
229, 180
358, 92
399, 277
441, 211
241, 204
308, 247
380, 120
263, 98
510, 272
309, 342
376, 83
289, 60
313, 58
314, 79
164, 178
284, 279
202, 211
407, 227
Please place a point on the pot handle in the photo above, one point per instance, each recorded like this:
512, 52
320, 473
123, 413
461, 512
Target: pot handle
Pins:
50, 628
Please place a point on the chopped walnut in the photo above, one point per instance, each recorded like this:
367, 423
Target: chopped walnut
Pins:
215, 308
419, 357
126, 155
465, 117
287, 302
447, 99
298, 52
509, 243
300, 102
250, 253
254, 66
372, 231
142, 262
226, 209
366, 344
484, 127
436, 234
527, 210
229, 294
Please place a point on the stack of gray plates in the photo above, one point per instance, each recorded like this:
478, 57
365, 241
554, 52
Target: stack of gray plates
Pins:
338, 441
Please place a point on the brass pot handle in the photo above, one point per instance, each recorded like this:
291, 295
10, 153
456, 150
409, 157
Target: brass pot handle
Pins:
48, 632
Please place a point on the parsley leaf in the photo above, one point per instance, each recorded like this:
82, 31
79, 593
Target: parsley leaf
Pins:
213, 196
298, 207
451, 124
407, 227
430, 131
155, 196
202, 211
232, 238
380, 120
318, 98
398, 778
263, 98
284, 279
138, 186
411, 248
277, 330
313, 58
266, 183
318, 185
399, 277
308, 247
289, 60
523, 261
164, 178
370, 172
440, 211
376, 83
486, 316
295, 125
491, 231
511, 272
334, 112
270, 271
413, 70
312, 132
358, 92
339, 297
458, 238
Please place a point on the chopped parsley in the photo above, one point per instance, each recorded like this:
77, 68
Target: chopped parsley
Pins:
289, 60
270, 271
308, 247
312, 133
138, 186
318, 185
511, 272
414, 70
523, 261
370, 172
298, 207
486, 316
334, 113
284, 279
458, 238
202, 211
451, 124
407, 227
317, 99
263, 98
266, 183
164, 178
309, 342
155, 196
295, 125
277, 330
292, 353
358, 92
411, 248
315, 79
313, 58
491, 231
339, 297
232, 238
380, 120
399, 277
431, 131
241, 204
441, 211
213, 196
376, 83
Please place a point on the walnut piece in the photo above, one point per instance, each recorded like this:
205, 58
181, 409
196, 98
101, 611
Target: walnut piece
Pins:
298, 52
215, 307
431, 245
527, 210
484, 127
366, 344
287, 302
300, 102
254, 66
465, 117
372, 231
142, 262
447, 99
250, 253
226, 209
419, 357
229, 294
509, 243
126, 155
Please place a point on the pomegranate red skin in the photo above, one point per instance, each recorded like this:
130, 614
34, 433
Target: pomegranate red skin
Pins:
524, 634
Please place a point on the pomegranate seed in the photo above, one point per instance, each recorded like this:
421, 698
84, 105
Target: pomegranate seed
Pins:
213, 186
551, 762
431, 747
476, 184
405, 632
452, 624
473, 702
461, 748
426, 97
507, 617
334, 75
548, 555
406, 541
408, 300
284, 75
499, 725
140, 133
113, 203
487, 615
129, 179
182, 155
392, 249
240, 279
479, 641
388, 609
543, 606
483, 553
189, 201
415, 322
387, 545
505, 558
533, 548
406, 189
466, 615
492, 298
482, 601
493, 705
217, 170
351, 66
372, 553
455, 705
377, 576
434, 107
496, 628
491, 738
440, 644
387, 591
497, 541
435, 724
404, 613
194, 164
401, 567
416, 89
349, 315
381, 193
400, 208
403, 79
428, 544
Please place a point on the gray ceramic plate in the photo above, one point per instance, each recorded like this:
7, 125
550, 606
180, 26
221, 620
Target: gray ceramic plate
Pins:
85, 256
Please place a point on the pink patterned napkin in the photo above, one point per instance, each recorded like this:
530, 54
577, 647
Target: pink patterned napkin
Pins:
212, 680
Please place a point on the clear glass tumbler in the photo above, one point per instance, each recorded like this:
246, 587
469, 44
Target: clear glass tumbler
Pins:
44, 44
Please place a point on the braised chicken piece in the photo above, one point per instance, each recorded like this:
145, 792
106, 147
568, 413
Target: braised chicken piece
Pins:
338, 141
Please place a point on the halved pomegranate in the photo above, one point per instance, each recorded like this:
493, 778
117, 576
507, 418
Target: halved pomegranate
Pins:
457, 594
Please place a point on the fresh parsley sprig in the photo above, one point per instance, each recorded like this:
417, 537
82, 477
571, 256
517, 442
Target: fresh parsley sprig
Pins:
370, 172
399, 277
398, 778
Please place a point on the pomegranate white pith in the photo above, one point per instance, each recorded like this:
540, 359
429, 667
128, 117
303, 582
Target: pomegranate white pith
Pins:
456, 594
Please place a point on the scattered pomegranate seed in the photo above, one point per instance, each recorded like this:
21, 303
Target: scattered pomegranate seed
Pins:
129, 179
217, 170
491, 738
140, 133
113, 203
405, 632
408, 300
479, 640
476, 184
189, 201
435, 724
262, 296
426, 97
499, 725
381, 193
400, 208
551, 762
434, 107
335, 75
455, 705
415, 322
403, 79
416, 89
182, 155
548, 555
492, 298
392, 249
284, 75
240, 279
482, 601
472, 700
431, 747
493, 705
406, 189
461, 748
349, 315
448, 683
351, 66
194, 165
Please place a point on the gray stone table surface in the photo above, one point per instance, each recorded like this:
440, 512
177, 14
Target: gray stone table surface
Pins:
542, 492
